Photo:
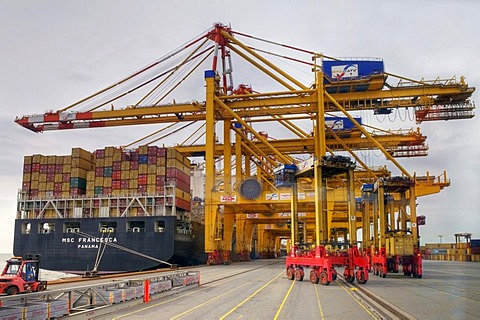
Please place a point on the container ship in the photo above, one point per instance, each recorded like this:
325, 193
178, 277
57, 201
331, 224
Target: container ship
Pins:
109, 211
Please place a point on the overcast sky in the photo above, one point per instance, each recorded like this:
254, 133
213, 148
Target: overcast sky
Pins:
56, 52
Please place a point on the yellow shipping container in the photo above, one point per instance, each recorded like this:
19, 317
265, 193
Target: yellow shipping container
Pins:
142, 168
82, 163
50, 186
161, 171
82, 154
66, 168
34, 184
108, 161
125, 165
125, 175
65, 194
28, 160
36, 158
43, 160
35, 176
42, 177
27, 177
78, 173
58, 177
107, 182
161, 161
99, 181
134, 185
133, 174
152, 169
100, 163
174, 163
182, 194
90, 176
65, 187
90, 192
109, 151
42, 186
152, 179
173, 153
117, 155
186, 162
151, 189
400, 245
143, 150
51, 159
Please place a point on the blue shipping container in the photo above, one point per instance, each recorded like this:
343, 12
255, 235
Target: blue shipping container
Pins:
341, 123
475, 243
338, 70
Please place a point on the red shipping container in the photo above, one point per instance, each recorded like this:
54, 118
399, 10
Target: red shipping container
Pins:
33, 193
125, 184
117, 175
100, 154
142, 188
57, 187
160, 180
27, 168
152, 150
161, 152
134, 165
58, 168
57, 193
117, 165
66, 177
107, 191
50, 168
76, 191
116, 184
50, 177
43, 168
99, 172
160, 189
183, 204
36, 167
152, 159
26, 186
177, 173
142, 179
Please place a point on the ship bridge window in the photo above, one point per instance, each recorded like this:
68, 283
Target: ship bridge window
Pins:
71, 227
136, 226
46, 227
26, 228
108, 227
159, 226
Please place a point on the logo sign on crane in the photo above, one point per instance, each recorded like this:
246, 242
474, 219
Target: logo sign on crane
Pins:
228, 198
421, 220
345, 71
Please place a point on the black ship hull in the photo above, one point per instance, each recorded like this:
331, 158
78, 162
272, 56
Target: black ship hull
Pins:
119, 244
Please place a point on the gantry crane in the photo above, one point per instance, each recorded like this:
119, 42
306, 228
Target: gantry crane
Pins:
248, 186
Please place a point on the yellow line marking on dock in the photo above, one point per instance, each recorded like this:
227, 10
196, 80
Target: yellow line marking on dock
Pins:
207, 302
252, 295
353, 297
319, 304
284, 300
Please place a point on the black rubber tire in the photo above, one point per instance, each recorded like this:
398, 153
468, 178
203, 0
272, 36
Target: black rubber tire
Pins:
290, 273
324, 278
314, 277
298, 275
13, 291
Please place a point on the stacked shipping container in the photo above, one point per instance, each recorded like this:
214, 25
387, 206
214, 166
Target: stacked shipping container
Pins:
109, 172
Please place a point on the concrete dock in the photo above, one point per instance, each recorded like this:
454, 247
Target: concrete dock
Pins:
260, 290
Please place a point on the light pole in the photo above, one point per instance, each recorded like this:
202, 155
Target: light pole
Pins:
440, 237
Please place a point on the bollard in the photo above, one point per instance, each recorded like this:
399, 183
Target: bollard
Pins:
146, 291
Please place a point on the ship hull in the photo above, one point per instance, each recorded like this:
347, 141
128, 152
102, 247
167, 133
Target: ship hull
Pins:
118, 249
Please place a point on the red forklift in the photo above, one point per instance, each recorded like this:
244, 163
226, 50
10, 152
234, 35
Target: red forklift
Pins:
20, 275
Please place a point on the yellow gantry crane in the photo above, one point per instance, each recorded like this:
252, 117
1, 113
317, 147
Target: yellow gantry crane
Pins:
228, 118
